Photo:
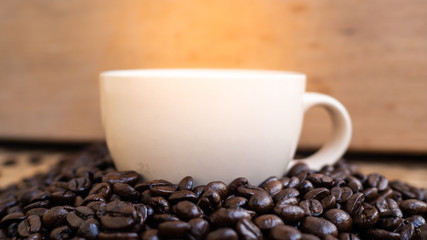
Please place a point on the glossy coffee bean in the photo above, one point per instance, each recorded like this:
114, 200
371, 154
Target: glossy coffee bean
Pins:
228, 217
61, 233
222, 234
90, 229
416, 220
159, 204
340, 218
128, 177
317, 193
366, 216
354, 203
319, 227
54, 217
29, 226
118, 236
79, 185
238, 182
388, 208
248, 191
210, 201
342, 194
297, 169
218, 186
182, 195
378, 181
247, 230
199, 228
311, 207
328, 202
348, 236
236, 202
77, 217
273, 187
187, 210
125, 191
163, 191
283, 232
119, 215
320, 180
380, 234
173, 229
290, 214
286, 193
151, 234
261, 202
307, 236
413, 207
186, 183
267, 221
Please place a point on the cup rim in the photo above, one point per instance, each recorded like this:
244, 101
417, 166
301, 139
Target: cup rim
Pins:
202, 73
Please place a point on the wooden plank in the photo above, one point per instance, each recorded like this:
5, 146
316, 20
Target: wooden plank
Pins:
369, 55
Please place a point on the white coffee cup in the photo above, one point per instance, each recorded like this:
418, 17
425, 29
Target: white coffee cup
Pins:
213, 124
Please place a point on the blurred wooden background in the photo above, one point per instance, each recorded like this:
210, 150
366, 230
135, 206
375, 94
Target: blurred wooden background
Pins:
371, 55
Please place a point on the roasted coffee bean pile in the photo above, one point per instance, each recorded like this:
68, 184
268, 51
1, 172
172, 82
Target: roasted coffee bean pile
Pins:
86, 198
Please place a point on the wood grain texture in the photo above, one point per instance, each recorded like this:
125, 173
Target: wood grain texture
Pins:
372, 56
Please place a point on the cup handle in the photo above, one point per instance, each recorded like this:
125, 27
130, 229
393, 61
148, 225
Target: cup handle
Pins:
336, 146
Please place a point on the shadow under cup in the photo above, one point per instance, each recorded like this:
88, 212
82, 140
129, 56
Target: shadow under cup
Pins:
211, 124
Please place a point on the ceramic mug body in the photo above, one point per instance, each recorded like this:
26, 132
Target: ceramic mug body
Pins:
210, 124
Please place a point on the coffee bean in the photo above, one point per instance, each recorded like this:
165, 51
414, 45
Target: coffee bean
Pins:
266, 181
79, 185
248, 191
403, 188
354, 202
247, 230
311, 207
54, 217
210, 201
297, 169
238, 182
182, 195
37, 204
306, 236
320, 180
286, 201
286, 193
61, 233
305, 187
416, 220
76, 218
273, 187
390, 223
380, 234
151, 234
328, 202
406, 231
294, 182
160, 182
199, 228
199, 190
267, 221
413, 207
366, 216
159, 204
90, 229
36, 211
125, 191
228, 217
348, 236
118, 236
378, 181
222, 234
141, 187
261, 202
342, 194
388, 208
317, 193
235, 202
370, 193
128, 177
119, 215
35, 236
173, 229
164, 217
354, 184
290, 214
29, 226
10, 218
93, 198
63, 197
163, 191
219, 187
187, 210
186, 183
341, 219
283, 232
319, 227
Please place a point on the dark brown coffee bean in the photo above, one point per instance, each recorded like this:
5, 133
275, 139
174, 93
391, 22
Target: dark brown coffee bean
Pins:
366, 216
63, 197
273, 187
159, 204
290, 214
305, 187
261, 202
390, 224
318, 226
79, 185
238, 182
160, 218
248, 191
228, 217
348, 236
328, 202
388, 208
118, 236
182, 195
235, 202
380, 234
354, 203
54, 217
210, 201
141, 187
36, 211
378, 181
247, 230
10, 218
90, 229
199, 228
286, 201
403, 188
283, 232
266, 181
125, 191
61, 233
12, 230
406, 231
320, 180
151, 234
128, 177
294, 182
286, 193
160, 182
341, 219
413, 207
311, 207
35, 236
93, 198
199, 190
29, 226
187, 210
354, 184
416, 220
119, 215
37, 204
370, 193
222, 234
186, 183
297, 169
173, 229
219, 187
267, 221
76, 218
317, 193
342, 194
163, 191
